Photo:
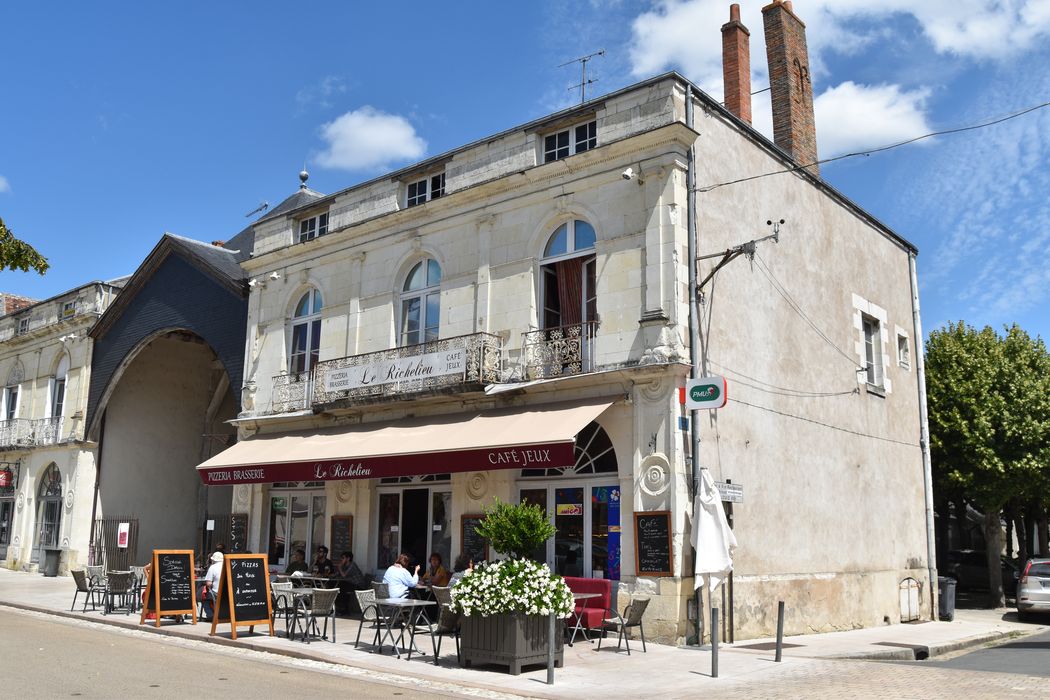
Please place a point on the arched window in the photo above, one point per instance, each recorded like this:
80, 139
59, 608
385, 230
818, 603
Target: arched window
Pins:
583, 504
421, 303
49, 508
306, 333
569, 276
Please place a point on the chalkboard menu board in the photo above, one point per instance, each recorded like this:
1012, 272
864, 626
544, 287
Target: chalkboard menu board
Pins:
238, 532
169, 589
471, 543
342, 535
652, 543
244, 593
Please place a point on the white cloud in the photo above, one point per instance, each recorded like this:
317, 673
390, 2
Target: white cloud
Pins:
852, 117
320, 93
5, 186
368, 139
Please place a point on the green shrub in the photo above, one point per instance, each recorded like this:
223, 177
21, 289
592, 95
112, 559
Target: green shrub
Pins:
516, 530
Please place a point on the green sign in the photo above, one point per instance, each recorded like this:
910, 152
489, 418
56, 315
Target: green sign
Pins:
706, 392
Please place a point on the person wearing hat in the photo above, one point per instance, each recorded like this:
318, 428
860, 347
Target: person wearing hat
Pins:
211, 585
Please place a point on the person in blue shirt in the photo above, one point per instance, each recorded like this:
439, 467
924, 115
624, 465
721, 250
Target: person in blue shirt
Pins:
397, 578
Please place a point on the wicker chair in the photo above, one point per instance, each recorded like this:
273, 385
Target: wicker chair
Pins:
447, 623
320, 604
632, 617
119, 590
92, 592
96, 575
370, 614
381, 589
138, 582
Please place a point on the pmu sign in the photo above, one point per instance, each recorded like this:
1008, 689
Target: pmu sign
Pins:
706, 392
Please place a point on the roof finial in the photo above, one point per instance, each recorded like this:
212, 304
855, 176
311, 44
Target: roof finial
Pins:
303, 177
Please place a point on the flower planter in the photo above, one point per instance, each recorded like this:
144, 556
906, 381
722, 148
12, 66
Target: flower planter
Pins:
510, 639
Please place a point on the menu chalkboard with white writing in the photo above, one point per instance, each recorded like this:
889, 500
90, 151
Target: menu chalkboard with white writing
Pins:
471, 543
169, 588
238, 532
652, 543
342, 535
243, 598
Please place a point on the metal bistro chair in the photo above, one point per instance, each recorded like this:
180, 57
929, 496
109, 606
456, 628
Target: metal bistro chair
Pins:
381, 589
632, 617
447, 623
319, 605
92, 592
96, 575
371, 613
283, 603
138, 582
119, 588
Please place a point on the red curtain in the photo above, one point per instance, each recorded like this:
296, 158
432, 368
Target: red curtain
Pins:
570, 290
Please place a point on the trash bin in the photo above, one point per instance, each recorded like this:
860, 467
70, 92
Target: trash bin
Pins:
946, 598
51, 559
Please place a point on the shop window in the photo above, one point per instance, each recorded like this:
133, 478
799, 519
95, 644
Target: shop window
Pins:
306, 333
421, 303
583, 503
296, 521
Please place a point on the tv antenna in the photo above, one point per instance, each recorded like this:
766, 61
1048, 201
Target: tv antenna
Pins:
584, 80
262, 207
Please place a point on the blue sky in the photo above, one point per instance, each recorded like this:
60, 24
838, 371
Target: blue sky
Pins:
125, 120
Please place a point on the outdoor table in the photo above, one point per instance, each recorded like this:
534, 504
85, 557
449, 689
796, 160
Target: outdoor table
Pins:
407, 610
577, 627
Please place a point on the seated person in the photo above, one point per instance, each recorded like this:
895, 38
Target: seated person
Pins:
397, 578
322, 565
298, 563
463, 564
350, 572
436, 574
211, 585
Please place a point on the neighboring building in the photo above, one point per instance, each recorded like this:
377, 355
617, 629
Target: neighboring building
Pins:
511, 319
47, 468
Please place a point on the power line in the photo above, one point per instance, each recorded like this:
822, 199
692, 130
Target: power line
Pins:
774, 389
827, 425
797, 308
879, 149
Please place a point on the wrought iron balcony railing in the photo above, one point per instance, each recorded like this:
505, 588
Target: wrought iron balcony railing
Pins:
466, 359
561, 351
291, 392
25, 432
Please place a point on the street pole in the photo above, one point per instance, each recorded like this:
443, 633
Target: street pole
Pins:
550, 650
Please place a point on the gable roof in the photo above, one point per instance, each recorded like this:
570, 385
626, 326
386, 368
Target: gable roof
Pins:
219, 263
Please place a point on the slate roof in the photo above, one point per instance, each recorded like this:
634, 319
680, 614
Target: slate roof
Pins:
301, 198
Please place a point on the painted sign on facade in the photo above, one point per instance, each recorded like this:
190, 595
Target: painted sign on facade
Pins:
395, 371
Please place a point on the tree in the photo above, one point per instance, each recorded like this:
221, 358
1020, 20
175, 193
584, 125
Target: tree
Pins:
517, 531
989, 411
19, 255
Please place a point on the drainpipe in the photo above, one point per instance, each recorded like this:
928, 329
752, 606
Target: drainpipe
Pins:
694, 334
924, 436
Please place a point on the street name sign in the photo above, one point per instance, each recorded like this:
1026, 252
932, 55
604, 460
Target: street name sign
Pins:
706, 392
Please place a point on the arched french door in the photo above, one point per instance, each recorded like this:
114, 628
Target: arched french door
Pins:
414, 515
48, 512
296, 520
583, 503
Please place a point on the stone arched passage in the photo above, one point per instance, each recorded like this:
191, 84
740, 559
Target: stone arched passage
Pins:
164, 414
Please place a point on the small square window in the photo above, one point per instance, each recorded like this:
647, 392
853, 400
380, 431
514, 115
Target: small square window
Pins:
563, 144
903, 351
23, 325
424, 190
69, 309
313, 227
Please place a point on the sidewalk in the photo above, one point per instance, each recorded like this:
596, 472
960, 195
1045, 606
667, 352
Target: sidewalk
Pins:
669, 671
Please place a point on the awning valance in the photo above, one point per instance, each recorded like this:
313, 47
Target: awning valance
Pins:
521, 438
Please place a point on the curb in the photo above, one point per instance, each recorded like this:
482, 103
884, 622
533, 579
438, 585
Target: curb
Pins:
173, 631
922, 652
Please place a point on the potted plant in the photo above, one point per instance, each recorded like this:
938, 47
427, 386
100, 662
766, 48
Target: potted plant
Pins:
506, 606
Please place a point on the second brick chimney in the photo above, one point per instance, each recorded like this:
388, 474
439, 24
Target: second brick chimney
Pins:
736, 65
794, 128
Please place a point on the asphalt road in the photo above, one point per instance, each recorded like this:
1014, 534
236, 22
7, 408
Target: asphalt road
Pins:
47, 657
1029, 656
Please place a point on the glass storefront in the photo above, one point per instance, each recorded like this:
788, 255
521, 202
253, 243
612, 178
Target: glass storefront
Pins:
296, 521
416, 519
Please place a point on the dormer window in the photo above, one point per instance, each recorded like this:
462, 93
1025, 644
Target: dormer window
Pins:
23, 325
426, 189
313, 227
576, 139
69, 309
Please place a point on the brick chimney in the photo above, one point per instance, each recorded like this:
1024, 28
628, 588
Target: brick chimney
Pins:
794, 129
736, 65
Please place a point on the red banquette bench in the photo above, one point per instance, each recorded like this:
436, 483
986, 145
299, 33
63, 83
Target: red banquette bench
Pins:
590, 611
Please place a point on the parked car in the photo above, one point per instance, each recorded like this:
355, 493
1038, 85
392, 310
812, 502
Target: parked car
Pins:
969, 568
1033, 588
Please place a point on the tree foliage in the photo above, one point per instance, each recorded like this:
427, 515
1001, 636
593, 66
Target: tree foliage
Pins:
516, 530
19, 255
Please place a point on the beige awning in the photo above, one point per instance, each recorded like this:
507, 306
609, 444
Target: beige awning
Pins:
521, 438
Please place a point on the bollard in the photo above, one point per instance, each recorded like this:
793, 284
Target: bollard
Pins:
550, 651
714, 642
780, 631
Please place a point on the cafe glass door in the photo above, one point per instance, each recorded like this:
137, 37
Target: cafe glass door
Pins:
416, 520
587, 518
297, 521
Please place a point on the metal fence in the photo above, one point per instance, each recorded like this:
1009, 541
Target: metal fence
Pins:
105, 549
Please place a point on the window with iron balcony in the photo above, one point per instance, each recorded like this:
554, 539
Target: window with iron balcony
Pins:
567, 142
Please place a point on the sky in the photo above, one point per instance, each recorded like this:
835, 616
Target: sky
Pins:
122, 121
